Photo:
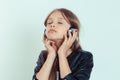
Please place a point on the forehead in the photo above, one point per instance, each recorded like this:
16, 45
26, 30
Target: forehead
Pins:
56, 15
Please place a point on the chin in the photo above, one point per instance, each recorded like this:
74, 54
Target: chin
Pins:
54, 38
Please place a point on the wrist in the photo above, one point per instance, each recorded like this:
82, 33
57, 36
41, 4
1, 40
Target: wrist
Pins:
51, 54
62, 54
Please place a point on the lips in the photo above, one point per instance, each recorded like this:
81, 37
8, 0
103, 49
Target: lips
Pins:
52, 30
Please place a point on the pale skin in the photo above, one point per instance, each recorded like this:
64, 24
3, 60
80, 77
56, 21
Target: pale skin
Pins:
57, 43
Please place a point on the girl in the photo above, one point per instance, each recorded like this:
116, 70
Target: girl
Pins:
63, 59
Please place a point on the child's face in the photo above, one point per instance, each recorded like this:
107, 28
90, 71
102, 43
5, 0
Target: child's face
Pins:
57, 26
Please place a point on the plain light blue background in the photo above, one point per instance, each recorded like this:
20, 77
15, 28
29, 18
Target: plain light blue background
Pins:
21, 31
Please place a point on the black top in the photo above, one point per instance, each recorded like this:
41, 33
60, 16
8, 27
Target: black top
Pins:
80, 62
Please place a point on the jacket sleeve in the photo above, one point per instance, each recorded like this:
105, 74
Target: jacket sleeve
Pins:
39, 62
84, 70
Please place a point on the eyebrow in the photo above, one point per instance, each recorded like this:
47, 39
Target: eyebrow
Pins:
58, 18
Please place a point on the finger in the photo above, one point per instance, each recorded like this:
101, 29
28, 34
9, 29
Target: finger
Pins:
50, 42
65, 38
46, 41
47, 44
54, 46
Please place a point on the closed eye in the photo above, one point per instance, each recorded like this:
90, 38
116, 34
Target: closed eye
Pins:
49, 22
60, 23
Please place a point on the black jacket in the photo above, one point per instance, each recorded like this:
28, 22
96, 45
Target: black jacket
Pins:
80, 62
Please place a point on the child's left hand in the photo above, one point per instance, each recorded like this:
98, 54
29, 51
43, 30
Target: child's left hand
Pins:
67, 43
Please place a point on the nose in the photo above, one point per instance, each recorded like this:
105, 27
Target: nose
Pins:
53, 25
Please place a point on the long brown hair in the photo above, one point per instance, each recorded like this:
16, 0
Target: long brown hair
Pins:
72, 19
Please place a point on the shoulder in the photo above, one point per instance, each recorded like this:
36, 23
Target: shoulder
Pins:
86, 57
81, 58
83, 55
43, 54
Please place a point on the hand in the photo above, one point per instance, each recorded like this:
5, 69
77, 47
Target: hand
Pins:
50, 45
67, 43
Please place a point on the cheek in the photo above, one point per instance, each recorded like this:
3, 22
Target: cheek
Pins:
46, 33
63, 32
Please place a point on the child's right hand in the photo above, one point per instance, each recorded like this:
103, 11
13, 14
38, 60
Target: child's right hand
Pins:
50, 45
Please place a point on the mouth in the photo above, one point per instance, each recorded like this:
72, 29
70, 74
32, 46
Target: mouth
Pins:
52, 30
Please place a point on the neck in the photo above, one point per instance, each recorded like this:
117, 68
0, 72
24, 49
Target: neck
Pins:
58, 42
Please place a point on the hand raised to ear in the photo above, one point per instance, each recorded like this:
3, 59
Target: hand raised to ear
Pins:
67, 43
50, 46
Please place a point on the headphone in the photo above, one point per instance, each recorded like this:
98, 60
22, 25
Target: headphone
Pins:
71, 30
